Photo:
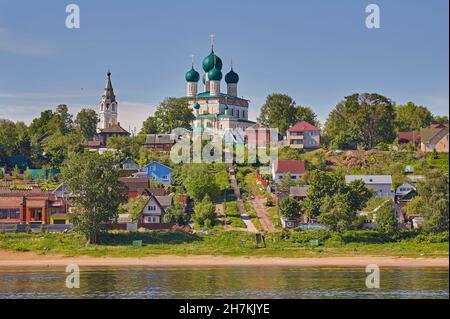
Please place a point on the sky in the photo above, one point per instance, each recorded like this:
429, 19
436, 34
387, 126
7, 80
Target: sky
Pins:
317, 51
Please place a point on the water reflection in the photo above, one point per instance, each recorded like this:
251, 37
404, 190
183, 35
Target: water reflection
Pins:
248, 282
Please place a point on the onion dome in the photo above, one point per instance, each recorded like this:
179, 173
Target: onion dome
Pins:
192, 75
232, 77
215, 74
226, 107
208, 62
196, 106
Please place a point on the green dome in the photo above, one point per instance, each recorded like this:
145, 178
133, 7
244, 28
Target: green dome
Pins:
215, 74
226, 107
192, 75
208, 62
196, 106
231, 77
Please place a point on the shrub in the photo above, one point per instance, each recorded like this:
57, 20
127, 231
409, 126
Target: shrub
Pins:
304, 236
432, 238
364, 236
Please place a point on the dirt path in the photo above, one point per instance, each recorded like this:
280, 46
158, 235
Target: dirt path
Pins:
258, 204
237, 192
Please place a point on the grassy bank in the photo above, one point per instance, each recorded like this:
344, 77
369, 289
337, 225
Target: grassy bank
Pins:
119, 244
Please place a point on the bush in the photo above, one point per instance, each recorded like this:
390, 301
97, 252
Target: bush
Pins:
432, 238
304, 236
364, 236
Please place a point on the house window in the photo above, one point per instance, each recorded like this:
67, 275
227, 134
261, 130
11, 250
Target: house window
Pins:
152, 208
9, 213
152, 168
165, 177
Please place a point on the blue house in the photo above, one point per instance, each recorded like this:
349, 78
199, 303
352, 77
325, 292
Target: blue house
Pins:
158, 172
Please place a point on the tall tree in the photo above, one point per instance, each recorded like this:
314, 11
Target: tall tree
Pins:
366, 119
386, 222
290, 208
150, 125
199, 182
65, 118
173, 113
279, 111
336, 212
412, 117
96, 190
86, 122
304, 113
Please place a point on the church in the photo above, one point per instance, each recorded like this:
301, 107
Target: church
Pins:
215, 110
108, 123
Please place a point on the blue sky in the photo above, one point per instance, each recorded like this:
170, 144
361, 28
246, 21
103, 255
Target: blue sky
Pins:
316, 51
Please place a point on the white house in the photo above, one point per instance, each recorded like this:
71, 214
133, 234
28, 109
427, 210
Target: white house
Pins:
153, 212
380, 184
295, 169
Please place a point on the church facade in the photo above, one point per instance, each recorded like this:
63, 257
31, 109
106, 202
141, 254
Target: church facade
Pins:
215, 110
108, 115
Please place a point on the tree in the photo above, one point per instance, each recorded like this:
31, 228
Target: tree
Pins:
65, 118
150, 125
336, 213
173, 113
176, 214
366, 119
304, 113
359, 194
86, 122
432, 202
222, 180
385, 220
290, 208
205, 212
286, 183
128, 146
135, 206
279, 111
199, 182
96, 192
56, 147
440, 119
321, 184
15, 172
411, 117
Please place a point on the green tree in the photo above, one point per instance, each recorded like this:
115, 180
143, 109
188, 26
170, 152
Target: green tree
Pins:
286, 182
321, 184
290, 208
366, 119
96, 192
336, 213
15, 172
128, 146
176, 214
440, 119
86, 122
411, 117
173, 113
432, 202
199, 182
222, 180
205, 212
359, 194
279, 111
150, 125
135, 206
65, 118
385, 220
304, 113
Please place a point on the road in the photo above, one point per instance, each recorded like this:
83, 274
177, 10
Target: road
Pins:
258, 204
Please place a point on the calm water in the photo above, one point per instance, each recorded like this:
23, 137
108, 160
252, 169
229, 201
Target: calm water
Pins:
249, 282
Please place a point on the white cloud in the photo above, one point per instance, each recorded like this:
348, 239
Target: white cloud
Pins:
439, 102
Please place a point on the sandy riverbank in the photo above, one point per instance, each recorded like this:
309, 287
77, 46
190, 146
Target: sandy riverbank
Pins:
28, 259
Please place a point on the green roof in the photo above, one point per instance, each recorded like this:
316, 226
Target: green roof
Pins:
231, 77
208, 62
215, 74
192, 75
208, 94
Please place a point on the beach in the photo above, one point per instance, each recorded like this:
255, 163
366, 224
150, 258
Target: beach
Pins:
30, 259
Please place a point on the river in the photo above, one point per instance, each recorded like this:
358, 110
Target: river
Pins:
230, 282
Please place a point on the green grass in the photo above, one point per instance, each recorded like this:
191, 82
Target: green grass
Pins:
220, 243
275, 218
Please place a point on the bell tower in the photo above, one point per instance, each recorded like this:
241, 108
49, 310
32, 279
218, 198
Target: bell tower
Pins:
108, 106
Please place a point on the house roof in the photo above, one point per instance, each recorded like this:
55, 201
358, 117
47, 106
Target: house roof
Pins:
439, 125
289, 166
298, 191
303, 126
156, 199
115, 129
134, 184
160, 139
430, 134
409, 136
369, 179
165, 201
10, 202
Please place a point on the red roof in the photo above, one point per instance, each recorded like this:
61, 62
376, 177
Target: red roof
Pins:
409, 136
293, 167
303, 126
439, 125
